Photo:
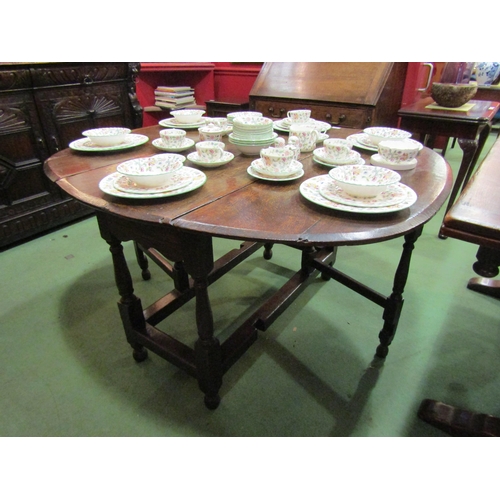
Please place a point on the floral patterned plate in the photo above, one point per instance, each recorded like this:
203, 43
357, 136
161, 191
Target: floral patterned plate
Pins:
179, 179
391, 196
172, 122
311, 190
362, 141
198, 178
226, 158
266, 177
131, 141
353, 159
378, 161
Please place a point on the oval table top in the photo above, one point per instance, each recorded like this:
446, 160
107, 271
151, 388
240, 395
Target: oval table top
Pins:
233, 204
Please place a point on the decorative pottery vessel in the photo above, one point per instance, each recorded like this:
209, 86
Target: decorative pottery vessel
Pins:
453, 95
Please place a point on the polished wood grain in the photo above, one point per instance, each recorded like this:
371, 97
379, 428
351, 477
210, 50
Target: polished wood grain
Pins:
257, 214
353, 94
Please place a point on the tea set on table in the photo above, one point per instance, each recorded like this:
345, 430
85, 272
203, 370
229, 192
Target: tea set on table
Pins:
350, 184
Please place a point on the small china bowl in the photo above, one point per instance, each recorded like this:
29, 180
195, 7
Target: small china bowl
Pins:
107, 136
152, 171
188, 115
252, 123
399, 151
453, 95
377, 134
364, 181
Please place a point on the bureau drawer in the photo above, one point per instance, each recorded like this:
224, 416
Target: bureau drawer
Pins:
77, 74
341, 115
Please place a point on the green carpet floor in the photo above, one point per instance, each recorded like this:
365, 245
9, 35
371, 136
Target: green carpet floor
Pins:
68, 371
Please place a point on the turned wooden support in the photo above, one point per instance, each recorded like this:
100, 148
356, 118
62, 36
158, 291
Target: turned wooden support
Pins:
199, 262
394, 304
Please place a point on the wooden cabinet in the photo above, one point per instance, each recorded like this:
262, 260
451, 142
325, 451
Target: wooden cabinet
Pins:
43, 107
353, 95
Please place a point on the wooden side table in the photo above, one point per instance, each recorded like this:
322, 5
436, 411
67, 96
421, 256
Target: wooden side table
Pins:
471, 128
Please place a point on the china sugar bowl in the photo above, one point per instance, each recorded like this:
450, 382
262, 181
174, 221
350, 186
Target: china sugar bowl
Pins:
364, 181
399, 151
107, 136
188, 116
152, 171
377, 134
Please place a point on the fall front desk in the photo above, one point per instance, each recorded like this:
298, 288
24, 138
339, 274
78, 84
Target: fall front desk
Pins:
177, 232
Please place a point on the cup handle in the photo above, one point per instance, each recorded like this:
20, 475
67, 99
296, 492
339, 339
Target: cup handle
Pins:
221, 153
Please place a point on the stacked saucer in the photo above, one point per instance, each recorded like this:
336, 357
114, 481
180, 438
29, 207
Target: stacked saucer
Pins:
252, 133
321, 127
353, 158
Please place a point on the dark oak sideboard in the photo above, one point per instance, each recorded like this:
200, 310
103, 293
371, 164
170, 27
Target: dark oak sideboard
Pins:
43, 107
354, 95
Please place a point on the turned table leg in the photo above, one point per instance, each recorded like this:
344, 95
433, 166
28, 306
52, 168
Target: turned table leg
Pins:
129, 305
199, 262
394, 304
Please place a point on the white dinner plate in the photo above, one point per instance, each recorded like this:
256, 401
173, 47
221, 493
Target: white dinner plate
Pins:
311, 190
131, 141
107, 185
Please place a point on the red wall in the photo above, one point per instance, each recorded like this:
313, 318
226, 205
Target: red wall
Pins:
233, 81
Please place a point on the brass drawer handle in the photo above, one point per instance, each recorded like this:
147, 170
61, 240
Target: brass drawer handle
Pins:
342, 118
281, 112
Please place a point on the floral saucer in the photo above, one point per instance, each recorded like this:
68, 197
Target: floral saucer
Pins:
391, 196
258, 175
284, 125
294, 167
194, 158
378, 161
186, 144
131, 141
354, 158
362, 141
172, 122
311, 190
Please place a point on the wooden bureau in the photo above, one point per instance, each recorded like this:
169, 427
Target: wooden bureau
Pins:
354, 95
43, 107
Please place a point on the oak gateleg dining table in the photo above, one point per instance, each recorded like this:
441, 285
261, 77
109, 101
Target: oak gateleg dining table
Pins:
177, 233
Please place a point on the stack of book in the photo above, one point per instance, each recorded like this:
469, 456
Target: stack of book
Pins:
174, 97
